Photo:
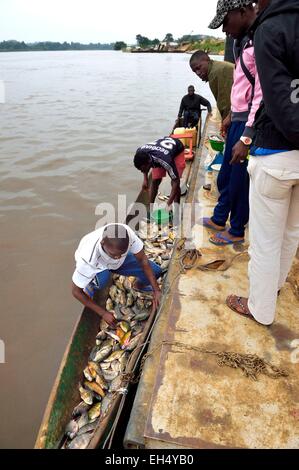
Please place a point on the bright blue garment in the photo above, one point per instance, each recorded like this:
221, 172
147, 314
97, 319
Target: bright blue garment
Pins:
261, 152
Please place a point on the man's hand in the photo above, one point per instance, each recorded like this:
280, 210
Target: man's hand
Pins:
109, 318
225, 125
157, 294
239, 153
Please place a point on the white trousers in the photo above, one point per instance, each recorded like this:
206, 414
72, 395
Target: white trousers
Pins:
273, 229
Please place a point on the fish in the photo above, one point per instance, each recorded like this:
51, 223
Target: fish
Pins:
81, 442
126, 339
165, 257
115, 366
86, 395
125, 326
110, 375
88, 375
113, 335
72, 429
133, 343
106, 403
148, 304
165, 265
113, 293
130, 300
116, 384
109, 305
80, 409
120, 333
137, 329
118, 313
123, 362
114, 356
105, 366
84, 419
95, 411
120, 284
102, 354
88, 428
123, 299
94, 369
128, 284
101, 382
142, 316
94, 387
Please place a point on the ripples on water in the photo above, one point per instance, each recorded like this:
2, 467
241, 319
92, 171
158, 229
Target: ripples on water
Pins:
69, 129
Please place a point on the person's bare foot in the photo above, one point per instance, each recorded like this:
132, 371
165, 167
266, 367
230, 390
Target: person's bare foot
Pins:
208, 223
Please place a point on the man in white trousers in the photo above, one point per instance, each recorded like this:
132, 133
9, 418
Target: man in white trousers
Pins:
274, 164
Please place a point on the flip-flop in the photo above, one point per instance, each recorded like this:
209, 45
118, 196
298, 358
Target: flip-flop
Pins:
205, 223
246, 313
227, 240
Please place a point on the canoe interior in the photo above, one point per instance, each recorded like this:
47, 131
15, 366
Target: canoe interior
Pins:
65, 395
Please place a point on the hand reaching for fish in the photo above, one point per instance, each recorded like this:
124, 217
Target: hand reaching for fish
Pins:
109, 318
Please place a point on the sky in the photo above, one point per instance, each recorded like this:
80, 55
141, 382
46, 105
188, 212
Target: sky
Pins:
103, 21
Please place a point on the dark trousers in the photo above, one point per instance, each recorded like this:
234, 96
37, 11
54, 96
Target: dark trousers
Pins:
233, 186
191, 117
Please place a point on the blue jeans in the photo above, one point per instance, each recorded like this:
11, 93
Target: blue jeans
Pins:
130, 267
233, 185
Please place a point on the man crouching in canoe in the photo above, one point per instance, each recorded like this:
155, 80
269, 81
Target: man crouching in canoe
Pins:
163, 155
115, 249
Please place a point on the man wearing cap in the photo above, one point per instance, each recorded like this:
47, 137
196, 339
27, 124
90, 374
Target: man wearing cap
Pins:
236, 16
274, 164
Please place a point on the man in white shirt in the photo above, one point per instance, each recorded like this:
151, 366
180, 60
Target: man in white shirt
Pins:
116, 249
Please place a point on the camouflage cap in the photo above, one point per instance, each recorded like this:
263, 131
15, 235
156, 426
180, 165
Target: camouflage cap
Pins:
225, 6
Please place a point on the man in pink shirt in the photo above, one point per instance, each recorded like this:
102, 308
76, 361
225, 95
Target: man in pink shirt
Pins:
236, 16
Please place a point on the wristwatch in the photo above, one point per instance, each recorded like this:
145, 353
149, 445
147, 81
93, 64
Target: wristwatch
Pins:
246, 140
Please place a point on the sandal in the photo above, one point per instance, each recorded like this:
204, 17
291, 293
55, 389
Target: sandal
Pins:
236, 304
225, 241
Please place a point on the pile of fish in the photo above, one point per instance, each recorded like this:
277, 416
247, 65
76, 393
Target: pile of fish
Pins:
103, 377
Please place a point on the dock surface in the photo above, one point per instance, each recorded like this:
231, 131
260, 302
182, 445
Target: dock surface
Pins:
185, 399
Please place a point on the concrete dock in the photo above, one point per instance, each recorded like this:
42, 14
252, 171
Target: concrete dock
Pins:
185, 399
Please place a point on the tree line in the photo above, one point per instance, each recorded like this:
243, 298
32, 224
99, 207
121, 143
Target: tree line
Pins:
11, 46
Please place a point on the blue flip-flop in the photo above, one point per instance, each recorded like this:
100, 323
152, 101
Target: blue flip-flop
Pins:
225, 239
205, 223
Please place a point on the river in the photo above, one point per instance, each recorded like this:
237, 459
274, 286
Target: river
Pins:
70, 125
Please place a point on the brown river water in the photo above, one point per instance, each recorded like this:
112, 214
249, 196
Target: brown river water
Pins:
70, 124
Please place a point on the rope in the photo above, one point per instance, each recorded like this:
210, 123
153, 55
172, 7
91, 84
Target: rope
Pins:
251, 364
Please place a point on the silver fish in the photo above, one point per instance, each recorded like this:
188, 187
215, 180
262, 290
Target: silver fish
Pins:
80, 409
88, 428
72, 429
116, 384
113, 336
118, 314
87, 374
109, 375
134, 342
84, 419
142, 316
106, 403
103, 354
105, 366
130, 300
114, 356
81, 442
